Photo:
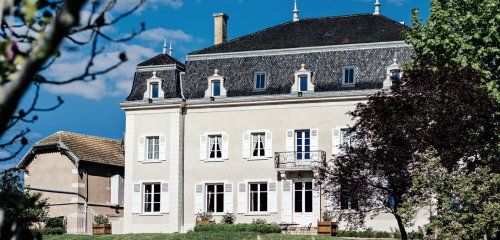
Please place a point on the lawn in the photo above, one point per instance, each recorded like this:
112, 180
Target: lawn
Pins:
190, 236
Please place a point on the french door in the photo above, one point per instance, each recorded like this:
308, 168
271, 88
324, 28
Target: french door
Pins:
303, 144
303, 202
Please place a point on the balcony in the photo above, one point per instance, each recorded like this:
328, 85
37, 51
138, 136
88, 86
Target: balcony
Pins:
297, 161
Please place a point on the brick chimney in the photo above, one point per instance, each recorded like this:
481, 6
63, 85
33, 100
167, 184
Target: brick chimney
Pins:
220, 28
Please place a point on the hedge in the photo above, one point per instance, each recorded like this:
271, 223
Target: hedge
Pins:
377, 234
241, 227
47, 231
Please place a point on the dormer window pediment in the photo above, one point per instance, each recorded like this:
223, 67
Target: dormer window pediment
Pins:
303, 80
153, 88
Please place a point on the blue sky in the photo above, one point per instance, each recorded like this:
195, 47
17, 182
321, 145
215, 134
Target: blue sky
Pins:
93, 108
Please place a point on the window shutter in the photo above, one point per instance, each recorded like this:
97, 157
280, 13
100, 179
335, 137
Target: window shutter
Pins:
225, 146
242, 197
273, 197
137, 199
314, 139
289, 141
316, 200
163, 148
246, 145
269, 144
164, 201
286, 201
141, 149
203, 147
115, 190
228, 198
335, 141
198, 198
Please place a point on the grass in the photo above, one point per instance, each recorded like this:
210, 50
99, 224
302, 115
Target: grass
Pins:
190, 236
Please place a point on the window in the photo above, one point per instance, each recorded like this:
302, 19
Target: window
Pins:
152, 197
303, 197
258, 197
260, 81
303, 83
153, 148
258, 143
347, 201
347, 140
215, 88
215, 198
349, 75
214, 146
395, 74
303, 144
154, 90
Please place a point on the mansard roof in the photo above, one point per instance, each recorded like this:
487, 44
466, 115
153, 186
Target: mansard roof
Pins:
84, 147
312, 32
161, 59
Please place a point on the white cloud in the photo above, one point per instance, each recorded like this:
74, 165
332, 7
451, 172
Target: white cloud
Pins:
158, 34
123, 5
115, 83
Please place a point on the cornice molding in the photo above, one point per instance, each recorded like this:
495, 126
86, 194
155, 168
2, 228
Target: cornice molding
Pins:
158, 68
304, 50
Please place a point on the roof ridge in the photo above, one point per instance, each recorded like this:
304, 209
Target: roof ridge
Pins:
339, 16
80, 134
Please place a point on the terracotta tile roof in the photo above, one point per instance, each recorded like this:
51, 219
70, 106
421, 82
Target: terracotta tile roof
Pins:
88, 148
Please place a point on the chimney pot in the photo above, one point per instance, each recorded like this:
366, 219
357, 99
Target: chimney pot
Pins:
220, 28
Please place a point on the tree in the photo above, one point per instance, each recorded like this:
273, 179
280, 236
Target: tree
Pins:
21, 208
32, 34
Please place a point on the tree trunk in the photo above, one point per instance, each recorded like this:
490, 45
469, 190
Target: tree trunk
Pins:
401, 226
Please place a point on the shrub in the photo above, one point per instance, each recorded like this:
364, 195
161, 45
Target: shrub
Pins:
229, 218
54, 222
37, 232
327, 216
377, 234
259, 221
205, 216
101, 219
241, 227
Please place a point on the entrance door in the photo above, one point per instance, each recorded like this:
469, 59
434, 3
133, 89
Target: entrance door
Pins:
303, 202
303, 144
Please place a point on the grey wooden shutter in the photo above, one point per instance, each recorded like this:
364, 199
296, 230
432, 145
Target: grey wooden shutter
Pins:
141, 147
269, 144
242, 197
203, 147
228, 198
164, 200
137, 198
246, 145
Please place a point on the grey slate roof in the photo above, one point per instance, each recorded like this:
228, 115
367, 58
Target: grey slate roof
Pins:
348, 29
161, 59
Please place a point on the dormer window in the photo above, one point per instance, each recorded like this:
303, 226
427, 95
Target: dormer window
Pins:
260, 81
394, 71
349, 76
215, 86
154, 89
396, 74
303, 83
303, 80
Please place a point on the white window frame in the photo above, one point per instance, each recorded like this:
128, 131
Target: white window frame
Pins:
215, 196
255, 81
343, 134
252, 147
209, 136
152, 197
353, 75
388, 78
303, 144
211, 79
258, 197
301, 72
149, 91
148, 138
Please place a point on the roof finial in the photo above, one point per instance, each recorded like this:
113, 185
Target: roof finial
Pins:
164, 46
295, 11
170, 49
377, 8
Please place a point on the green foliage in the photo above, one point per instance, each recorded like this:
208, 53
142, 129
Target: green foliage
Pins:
54, 222
241, 227
228, 218
327, 216
205, 216
259, 221
47, 231
22, 208
101, 219
377, 234
464, 32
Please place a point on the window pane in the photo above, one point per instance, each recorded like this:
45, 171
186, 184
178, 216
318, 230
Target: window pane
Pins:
147, 188
303, 83
154, 90
216, 88
308, 201
298, 201
351, 76
263, 201
157, 188
156, 207
263, 187
308, 185
156, 197
220, 202
254, 187
210, 202
147, 207
253, 201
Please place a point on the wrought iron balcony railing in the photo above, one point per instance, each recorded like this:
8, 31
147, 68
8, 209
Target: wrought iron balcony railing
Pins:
299, 160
